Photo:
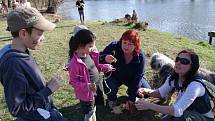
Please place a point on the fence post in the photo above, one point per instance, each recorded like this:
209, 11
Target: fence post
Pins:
211, 34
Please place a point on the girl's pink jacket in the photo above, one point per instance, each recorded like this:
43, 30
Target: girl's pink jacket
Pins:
79, 76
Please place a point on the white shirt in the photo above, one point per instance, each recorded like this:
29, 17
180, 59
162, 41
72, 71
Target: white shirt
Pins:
184, 98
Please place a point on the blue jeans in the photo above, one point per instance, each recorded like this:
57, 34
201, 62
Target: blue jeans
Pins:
131, 91
187, 116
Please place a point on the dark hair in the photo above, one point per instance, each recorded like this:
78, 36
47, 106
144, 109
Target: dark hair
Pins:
81, 39
192, 72
16, 34
132, 36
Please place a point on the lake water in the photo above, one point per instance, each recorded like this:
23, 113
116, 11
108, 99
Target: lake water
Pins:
190, 18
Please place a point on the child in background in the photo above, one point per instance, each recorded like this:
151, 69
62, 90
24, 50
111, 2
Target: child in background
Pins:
15, 4
84, 70
25, 3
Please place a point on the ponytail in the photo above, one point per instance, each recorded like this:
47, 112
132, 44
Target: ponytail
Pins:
81, 39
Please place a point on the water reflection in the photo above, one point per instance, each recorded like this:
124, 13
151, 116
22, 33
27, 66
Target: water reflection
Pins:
190, 18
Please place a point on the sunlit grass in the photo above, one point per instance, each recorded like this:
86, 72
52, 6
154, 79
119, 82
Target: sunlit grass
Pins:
52, 55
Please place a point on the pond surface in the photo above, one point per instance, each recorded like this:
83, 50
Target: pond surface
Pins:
190, 18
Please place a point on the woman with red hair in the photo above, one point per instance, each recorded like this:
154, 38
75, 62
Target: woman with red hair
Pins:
127, 57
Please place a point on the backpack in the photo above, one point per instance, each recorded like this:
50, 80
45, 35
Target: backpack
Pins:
210, 88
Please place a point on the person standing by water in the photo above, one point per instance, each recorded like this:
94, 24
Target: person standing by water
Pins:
3, 7
134, 17
15, 4
25, 3
80, 4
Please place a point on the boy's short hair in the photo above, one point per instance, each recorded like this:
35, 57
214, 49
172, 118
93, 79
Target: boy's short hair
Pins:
27, 17
16, 34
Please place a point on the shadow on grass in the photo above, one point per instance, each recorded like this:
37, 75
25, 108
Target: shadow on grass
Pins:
73, 113
3, 17
8, 38
63, 26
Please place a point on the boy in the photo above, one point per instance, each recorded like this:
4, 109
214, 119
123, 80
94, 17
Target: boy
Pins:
27, 95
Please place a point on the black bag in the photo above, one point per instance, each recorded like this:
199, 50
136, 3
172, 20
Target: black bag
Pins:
210, 88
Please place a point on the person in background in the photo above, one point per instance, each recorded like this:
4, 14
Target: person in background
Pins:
15, 4
25, 3
80, 4
127, 57
134, 16
192, 101
84, 70
3, 7
27, 95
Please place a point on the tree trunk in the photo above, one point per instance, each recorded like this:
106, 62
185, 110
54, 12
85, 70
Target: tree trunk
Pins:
9, 3
52, 7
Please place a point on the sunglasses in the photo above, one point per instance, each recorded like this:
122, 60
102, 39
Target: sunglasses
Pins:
184, 61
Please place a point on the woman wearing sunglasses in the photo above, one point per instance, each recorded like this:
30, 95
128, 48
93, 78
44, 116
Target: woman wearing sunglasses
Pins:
192, 101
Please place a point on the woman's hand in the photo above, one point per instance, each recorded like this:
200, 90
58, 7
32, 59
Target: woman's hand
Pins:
143, 91
110, 59
129, 105
142, 105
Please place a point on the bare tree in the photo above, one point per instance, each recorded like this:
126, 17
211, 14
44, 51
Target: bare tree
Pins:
9, 3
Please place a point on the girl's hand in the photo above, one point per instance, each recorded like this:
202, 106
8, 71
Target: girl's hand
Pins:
110, 59
92, 87
142, 105
94, 49
110, 68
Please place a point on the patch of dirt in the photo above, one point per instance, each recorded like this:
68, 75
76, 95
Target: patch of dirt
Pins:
103, 113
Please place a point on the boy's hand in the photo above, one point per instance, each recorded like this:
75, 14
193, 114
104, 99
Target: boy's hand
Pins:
54, 84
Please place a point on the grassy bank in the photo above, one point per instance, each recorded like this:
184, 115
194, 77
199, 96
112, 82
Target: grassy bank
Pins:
53, 53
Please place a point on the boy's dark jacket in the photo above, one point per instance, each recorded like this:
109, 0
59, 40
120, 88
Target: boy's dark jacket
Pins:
24, 85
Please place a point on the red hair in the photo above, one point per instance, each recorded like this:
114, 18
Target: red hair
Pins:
132, 36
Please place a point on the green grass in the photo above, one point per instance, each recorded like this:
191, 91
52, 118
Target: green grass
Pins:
53, 54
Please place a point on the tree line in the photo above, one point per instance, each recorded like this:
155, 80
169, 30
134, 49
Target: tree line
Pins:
48, 5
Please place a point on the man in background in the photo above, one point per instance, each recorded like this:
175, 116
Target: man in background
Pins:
80, 5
